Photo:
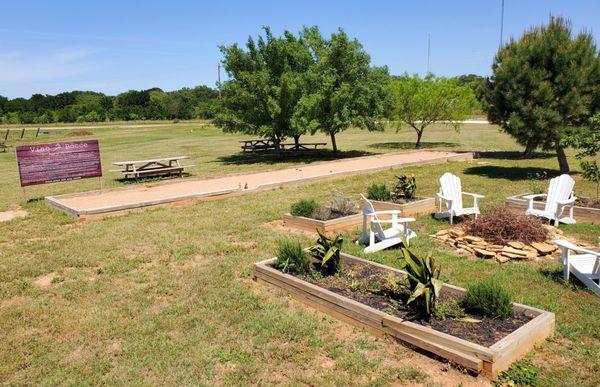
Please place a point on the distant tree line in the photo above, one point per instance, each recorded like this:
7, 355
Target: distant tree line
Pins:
89, 106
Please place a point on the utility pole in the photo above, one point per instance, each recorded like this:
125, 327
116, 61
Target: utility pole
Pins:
501, 23
219, 78
428, 53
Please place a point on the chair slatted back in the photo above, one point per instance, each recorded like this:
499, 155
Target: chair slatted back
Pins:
451, 188
561, 188
369, 209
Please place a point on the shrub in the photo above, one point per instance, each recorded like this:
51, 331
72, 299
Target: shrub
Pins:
291, 258
322, 213
489, 299
423, 282
343, 206
498, 225
303, 207
378, 192
327, 251
405, 188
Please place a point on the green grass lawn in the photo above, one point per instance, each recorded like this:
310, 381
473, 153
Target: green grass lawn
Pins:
165, 295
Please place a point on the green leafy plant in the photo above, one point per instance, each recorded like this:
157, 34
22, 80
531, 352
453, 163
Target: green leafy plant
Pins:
448, 309
327, 251
488, 298
343, 206
291, 258
520, 373
378, 192
405, 188
423, 282
303, 207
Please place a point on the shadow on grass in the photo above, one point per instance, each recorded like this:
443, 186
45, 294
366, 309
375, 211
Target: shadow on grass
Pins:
411, 145
556, 275
271, 158
512, 155
152, 179
512, 173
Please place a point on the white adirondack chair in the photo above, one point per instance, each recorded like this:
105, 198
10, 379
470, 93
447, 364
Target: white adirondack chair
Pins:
377, 238
559, 197
450, 197
585, 264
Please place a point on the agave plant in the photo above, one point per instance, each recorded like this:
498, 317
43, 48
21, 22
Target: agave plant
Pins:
327, 250
405, 188
423, 282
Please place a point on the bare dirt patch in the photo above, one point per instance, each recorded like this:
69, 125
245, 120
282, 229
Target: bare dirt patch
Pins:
9, 215
46, 279
80, 133
277, 225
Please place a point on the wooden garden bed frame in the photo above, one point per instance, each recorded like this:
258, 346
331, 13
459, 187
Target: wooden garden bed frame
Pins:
581, 214
420, 206
345, 223
478, 358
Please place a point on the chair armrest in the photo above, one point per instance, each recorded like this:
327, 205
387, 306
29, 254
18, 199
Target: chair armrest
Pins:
529, 197
568, 201
386, 212
571, 246
399, 220
473, 195
440, 196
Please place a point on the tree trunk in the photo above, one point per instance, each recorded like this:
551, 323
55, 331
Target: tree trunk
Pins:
563, 163
528, 152
333, 143
296, 140
419, 135
277, 143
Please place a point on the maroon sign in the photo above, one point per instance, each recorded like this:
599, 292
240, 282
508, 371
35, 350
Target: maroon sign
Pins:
51, 163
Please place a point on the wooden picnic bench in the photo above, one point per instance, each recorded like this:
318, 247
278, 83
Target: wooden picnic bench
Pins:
302, 147
257, 145
152, 167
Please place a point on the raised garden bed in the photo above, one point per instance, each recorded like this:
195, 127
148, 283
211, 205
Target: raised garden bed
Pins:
489, 346
418, 206
344, 223
581, 214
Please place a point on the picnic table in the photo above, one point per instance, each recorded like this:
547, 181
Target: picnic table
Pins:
301, 147
257, 145
152, 167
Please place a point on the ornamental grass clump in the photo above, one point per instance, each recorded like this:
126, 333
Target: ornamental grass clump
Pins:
292, 259
378, 192
500, 226
488, 298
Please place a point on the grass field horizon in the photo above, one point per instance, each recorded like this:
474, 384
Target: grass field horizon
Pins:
165, 296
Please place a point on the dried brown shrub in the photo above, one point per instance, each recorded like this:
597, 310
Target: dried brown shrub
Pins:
499, 225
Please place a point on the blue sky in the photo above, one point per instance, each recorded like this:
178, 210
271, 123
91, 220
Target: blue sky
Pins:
113, 46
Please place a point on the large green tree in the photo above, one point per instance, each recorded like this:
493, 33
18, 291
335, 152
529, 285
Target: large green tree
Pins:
419, 102
267, 80
344, 89
545, 86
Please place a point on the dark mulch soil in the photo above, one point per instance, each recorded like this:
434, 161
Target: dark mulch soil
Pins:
485, 333
587, 202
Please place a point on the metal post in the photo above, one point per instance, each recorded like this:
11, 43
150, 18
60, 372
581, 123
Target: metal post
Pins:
22, 133
37, 133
